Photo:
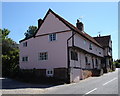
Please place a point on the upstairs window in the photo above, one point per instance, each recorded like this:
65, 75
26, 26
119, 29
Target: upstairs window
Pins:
74, 55
109, 49
90, 47
25, 44
52, 37
43, 56
84, 42
24, 59
99, 51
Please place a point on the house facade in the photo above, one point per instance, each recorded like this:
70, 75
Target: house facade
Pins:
59, 49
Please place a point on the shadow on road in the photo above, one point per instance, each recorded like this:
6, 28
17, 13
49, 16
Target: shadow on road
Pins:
13, 84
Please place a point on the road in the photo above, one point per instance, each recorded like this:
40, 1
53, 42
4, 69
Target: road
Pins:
105, 84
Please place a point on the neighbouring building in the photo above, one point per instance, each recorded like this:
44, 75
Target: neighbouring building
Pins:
61, 50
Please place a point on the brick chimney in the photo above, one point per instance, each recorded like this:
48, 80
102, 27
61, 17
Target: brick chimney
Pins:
40, 21
80, 25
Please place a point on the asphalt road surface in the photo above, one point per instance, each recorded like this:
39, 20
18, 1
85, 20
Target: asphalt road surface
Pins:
105, 84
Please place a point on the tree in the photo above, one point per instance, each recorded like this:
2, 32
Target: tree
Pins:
10, 54
30, 32
117, 63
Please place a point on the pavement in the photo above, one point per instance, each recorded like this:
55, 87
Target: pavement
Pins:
105, 84
10, 86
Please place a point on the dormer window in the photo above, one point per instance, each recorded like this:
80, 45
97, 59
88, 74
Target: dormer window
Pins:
25, 44
90, 47
52, 37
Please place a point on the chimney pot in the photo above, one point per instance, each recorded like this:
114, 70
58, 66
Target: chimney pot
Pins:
78, 21
80, 25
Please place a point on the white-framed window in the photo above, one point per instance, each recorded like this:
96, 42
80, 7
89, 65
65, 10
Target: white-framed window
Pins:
52, 37
25, 59
43, 56
49, 72
25, 44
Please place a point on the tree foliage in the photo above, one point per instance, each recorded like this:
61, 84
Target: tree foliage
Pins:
117, 63
10, 54
30, 32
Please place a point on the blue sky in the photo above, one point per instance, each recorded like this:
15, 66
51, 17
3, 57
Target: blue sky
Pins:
97, 17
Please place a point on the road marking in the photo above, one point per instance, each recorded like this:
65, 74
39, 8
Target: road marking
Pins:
90, 91
2, 78
109, 81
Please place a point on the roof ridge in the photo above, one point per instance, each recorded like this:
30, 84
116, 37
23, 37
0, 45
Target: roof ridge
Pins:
102, 36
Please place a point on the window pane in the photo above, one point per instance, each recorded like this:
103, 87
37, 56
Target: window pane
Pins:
84, 41
43, 56
26, 58
74, 55
25, 44
52, 37
86, 60
51, 72
22, 58
90, 47
96, 62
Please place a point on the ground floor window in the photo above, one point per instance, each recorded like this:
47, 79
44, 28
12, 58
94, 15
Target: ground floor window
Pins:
93, 62
49, 72
86, 60
25, 58
96, 62
74, 55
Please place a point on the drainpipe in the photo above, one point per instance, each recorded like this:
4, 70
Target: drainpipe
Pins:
68, 61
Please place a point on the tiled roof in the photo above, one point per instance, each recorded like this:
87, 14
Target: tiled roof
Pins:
72, 27
103, 40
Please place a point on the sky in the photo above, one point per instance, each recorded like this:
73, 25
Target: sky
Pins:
97, 17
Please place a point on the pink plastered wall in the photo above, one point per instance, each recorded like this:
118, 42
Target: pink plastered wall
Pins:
51, 24
57, 50
80, 42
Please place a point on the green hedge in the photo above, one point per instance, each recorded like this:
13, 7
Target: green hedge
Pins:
117, 64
